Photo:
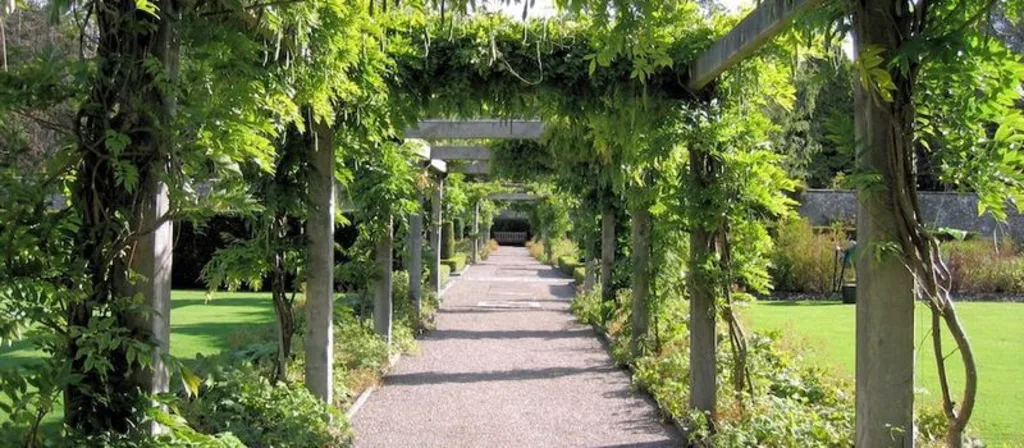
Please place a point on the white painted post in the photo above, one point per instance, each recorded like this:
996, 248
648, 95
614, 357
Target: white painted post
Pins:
320, 276
416, 262
885, 288
435, 236
476, 234
382, 304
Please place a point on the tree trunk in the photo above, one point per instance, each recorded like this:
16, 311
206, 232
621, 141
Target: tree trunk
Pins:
320, 274
641, 278
285, 315
120, 227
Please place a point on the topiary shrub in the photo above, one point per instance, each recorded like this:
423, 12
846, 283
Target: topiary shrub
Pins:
456, 263
447, 240
265, 414
579, 274
567, 264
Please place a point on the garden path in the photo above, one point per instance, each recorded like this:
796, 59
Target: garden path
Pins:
509, 366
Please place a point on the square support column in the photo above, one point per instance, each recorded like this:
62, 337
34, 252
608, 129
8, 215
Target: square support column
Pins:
382, 304
152, 260
474, 257
435, 237
320, 276
885, 287
415, 264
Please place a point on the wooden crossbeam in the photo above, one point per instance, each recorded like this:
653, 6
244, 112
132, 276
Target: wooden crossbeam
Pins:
516, 197
472, 129
460, 153
754, 31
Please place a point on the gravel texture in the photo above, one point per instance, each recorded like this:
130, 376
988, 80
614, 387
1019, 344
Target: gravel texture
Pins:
518, 371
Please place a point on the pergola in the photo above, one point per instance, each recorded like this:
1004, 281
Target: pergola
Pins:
885, 303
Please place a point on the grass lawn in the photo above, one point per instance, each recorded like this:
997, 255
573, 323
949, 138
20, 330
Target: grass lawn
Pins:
198, 326
996, 331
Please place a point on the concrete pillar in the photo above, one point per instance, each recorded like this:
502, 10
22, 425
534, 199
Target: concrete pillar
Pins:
885, 288
703, 343
152, 260
435, 236
607, 252
416, 262
382, 305
476, 233
703, 384
641, 277
320, 276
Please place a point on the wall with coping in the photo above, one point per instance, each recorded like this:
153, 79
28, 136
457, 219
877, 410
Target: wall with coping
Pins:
954, 210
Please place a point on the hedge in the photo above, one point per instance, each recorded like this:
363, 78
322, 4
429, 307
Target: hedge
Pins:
568, 264
447, 240
456, 262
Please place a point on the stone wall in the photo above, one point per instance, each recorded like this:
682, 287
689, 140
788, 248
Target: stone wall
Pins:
954, 210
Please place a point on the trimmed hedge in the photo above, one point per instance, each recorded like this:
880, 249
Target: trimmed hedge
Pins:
456, 262
568, 264
579, 274
447, 240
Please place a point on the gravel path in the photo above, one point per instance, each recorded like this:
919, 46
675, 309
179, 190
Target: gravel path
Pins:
509, 366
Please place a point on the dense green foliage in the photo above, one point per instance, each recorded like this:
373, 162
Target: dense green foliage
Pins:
221, 103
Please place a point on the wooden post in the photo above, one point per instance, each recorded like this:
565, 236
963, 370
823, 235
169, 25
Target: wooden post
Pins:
435, 236
320, 276
607, 252
382, 305
703, 343
476, 233
416, 262
641, 277
885, 288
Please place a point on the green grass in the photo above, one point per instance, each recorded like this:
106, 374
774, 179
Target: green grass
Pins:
198, 326
996, 331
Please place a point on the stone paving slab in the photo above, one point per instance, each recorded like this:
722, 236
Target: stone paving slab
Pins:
525, 374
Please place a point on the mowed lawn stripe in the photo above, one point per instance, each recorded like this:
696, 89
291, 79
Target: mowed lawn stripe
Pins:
996, 331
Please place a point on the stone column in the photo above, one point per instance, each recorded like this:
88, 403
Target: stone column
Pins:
320, 276
641, 277
435, 236
476, 234
885, 288
416, 262
152, 260
382, 305
607, 253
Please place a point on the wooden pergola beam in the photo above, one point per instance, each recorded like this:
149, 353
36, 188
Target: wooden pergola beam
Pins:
473, 129
753, 32
460, 153
514, 197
